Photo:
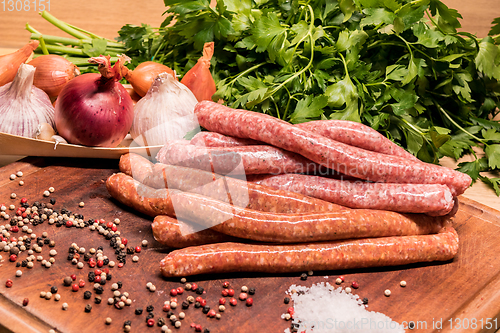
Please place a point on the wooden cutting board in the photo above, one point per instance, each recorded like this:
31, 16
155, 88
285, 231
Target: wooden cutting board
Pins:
464, 290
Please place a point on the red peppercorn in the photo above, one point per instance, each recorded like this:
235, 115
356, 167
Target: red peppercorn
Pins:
73, 277
69, 223
211, 313
203, 302
198, 299
194, 286
81, 283
197, 328
166, 307
225, 284
180, 290
19, 212
243, 296
100, 263
92, 263
222, 301
26, 301
230, 292
97, 279
249, 301
23, 209
105, 270
101, 221
173, 292
9, 283
24, 215
75, 287
14, 229
109, 224
97, 272
193, 325
138, 249
342, 278
151, 322
225, 292
76, 256
13, 239
233, 301
124, 241
291, 310
114, 228
355, 285
120, 265
24, 200
13, 257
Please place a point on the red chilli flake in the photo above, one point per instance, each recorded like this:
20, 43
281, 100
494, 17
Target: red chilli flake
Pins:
355, 285
9, 283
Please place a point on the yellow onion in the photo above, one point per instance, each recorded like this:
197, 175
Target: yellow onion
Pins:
52, 73
143, 75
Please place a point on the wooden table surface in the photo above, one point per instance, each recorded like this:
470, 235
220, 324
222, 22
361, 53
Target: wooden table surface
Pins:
464, 289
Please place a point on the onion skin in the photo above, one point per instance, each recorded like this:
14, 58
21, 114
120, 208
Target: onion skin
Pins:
9, 63
95, 109
143, 75
199, 79
53, 72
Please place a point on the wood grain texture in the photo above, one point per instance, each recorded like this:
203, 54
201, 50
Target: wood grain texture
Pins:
466, 287
106, 20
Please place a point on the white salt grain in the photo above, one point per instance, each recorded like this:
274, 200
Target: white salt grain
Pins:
326, 309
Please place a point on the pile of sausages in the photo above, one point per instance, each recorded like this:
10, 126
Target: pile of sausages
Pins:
257, 194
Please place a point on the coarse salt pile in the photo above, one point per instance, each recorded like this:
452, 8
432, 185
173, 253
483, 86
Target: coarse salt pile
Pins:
324, 309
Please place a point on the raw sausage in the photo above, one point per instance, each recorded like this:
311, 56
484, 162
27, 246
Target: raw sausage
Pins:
239, 192
343, 158
432, 199
338, 255
135, 166
249, 160
357, 135
212, 139
264, 226
177, 234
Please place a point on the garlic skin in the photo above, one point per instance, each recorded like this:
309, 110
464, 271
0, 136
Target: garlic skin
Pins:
23, 106
165, 113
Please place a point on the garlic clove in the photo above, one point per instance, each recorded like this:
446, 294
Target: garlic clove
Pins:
44, 132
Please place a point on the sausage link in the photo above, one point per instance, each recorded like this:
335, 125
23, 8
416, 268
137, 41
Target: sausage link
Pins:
249, 160
343, 158
135, 166
264, 226
212, 139
177, 234
432, 199
338, 255
357, 135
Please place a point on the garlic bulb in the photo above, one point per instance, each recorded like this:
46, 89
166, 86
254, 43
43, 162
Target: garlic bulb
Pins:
23, 106
165, 113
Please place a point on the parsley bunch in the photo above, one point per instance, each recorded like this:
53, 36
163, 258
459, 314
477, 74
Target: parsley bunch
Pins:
399, 66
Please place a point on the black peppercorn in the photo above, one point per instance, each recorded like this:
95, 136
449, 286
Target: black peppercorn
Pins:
303, 276
286, 300
53, 289
185, 304
87, 294
100, 248
105, 261
18, 264
103, 282
97, 300
88, 308
91, 276
127, 323
251, 291
197, 304
120, 284
99, 290
108, 276
138, 311
206, 330
199, 290
87, 256
130, 250
150, 308
150, 316
365, 300
24, 263
161, 321
206, 308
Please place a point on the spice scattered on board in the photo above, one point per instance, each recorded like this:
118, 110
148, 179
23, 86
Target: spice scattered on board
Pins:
323, 308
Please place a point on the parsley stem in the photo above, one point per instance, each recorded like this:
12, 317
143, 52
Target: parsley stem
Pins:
443, 111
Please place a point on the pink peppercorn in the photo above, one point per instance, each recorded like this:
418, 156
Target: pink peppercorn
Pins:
138, 249
81, 283
203, 302
194, 286
100, 263
222, 301
180, 290
173, 292
24, 200
355, 285
26, 301
9, 283
225, 292
114, 228
342, 278
211, 313
69, 223
243, 296
230, 292
13, 257
233, 301
14, 229
120, 265
73, 277
97, 272
124, 241
97, 279
225, 284
75, 287
166, 307
197, 328
151, 322
109, 225
249, 301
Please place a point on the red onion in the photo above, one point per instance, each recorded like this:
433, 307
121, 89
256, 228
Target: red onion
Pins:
95, 109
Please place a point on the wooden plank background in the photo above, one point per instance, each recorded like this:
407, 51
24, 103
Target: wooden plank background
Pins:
106, 18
